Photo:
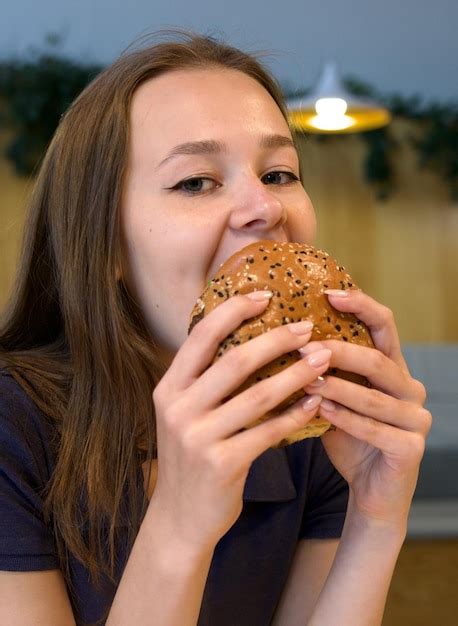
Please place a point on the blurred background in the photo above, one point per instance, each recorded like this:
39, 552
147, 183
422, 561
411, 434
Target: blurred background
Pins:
386, 198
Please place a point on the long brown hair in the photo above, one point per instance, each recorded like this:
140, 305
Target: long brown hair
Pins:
72, 335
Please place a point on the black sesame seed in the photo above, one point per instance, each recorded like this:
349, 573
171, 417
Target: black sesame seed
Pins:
282, 305
329, 319
355, 333
289, 274
249, 278
291, 308
258, 378
305, 305
221, 295
278, 264
236, 292
338, 327
250, 259
264, 258
298, 281
282, 362
344, 338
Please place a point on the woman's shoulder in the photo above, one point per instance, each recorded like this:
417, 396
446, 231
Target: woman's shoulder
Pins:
25, 433
15, 403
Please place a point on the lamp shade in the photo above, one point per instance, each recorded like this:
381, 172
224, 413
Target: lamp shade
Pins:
331, 108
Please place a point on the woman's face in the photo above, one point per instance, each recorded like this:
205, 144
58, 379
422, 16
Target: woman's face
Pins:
211, 169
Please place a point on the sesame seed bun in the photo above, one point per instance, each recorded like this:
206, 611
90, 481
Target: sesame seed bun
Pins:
297, 274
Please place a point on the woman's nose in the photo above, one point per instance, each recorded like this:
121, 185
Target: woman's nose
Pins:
257, 206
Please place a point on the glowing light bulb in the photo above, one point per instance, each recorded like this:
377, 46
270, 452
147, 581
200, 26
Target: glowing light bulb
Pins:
331, 114
331, 107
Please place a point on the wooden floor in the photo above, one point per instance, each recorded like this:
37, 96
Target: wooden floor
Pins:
424, 589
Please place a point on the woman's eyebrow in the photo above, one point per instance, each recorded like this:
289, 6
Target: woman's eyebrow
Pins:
211, 146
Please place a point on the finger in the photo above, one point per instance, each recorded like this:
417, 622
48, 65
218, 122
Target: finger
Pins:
254, 403
381, 371
249, 444
387, 438
228, 373
379, 319
200, 347
374, 404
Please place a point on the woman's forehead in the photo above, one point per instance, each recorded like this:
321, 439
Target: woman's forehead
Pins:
201, 91
191, 104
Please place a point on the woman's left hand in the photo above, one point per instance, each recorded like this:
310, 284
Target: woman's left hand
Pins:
381, 432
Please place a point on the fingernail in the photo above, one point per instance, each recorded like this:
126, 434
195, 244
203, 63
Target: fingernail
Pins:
311, 402
259, 295
340, 293
317, 359
328, 405
300, 328
319, 382
313, 346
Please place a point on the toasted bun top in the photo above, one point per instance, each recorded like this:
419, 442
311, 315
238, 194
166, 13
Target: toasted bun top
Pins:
297, 274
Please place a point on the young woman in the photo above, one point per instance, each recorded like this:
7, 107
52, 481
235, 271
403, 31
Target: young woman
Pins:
129, 493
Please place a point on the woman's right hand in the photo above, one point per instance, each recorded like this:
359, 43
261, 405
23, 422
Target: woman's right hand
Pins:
203, 459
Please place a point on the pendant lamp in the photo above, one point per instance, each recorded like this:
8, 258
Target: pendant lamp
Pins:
330, 108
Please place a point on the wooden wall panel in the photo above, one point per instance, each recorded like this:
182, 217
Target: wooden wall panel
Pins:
13, 196
403, 251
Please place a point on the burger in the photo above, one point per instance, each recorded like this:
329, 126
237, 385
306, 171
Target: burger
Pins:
297, 274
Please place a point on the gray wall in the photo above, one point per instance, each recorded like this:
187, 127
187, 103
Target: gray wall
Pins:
405, 46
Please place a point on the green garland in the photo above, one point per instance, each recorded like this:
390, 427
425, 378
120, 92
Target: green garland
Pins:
34, 95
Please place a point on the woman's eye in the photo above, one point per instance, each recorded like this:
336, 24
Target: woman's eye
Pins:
193, 185
276, 175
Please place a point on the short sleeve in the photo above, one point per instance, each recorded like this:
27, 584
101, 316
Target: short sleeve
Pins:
26, 543
326, 499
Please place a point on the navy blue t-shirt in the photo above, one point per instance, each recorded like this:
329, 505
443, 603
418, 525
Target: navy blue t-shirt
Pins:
290, 494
